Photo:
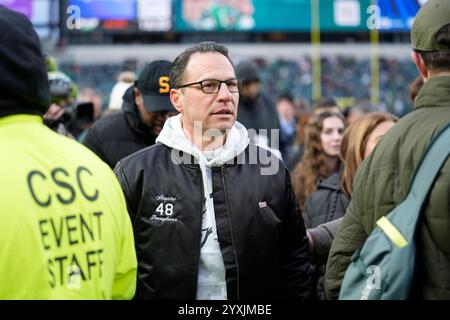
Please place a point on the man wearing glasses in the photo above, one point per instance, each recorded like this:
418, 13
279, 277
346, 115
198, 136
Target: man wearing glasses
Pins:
210, 222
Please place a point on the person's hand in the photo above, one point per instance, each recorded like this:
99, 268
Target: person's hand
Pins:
54, 116
55, 112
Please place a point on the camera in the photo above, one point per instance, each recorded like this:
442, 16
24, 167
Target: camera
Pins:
77, 117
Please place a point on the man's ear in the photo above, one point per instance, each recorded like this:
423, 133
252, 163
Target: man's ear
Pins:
420, 64
176, 99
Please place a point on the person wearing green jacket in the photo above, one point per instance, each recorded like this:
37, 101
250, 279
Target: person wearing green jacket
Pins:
383, 179
64, 228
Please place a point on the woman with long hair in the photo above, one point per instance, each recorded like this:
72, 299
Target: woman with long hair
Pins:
321, 157
359, 141
321, 211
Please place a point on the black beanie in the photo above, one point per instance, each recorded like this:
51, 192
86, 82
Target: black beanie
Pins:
23, 72
247, 70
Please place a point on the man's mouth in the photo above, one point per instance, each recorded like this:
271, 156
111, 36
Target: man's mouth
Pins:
223, 111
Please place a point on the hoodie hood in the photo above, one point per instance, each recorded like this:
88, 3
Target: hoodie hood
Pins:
131, 114
24, 86
172, 135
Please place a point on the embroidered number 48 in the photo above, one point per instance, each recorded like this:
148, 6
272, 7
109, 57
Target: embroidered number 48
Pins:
165, 210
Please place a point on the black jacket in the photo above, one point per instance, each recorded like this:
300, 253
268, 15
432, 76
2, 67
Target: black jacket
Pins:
259, 225
259, 114
327, 203
119, 134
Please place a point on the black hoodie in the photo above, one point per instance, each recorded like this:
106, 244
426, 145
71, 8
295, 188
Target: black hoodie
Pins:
119, 134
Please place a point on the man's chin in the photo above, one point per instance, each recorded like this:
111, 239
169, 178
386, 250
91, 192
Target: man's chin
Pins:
223, 126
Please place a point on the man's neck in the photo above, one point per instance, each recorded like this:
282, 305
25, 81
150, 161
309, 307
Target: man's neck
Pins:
435, 74
212, 143
203, 142
439, 74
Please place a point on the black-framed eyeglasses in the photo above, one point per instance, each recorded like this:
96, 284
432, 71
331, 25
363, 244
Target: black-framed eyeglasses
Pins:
211, 86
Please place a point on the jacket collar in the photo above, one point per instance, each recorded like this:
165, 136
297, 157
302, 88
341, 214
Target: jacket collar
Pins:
434, 93
20, 119
333, 182
173, 136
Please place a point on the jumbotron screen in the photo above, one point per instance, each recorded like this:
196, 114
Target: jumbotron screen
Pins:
132, 15
398, 15
241, 15
291, 15
106, 9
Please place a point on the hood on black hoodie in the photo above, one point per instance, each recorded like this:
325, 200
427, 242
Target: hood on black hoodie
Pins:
24, 84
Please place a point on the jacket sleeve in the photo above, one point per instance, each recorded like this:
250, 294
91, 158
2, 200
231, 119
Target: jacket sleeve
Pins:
349, 238
321, 239
124, 286
295, 273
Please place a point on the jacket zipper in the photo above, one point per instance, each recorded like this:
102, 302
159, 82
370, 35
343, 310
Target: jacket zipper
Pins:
231, 230
200, 235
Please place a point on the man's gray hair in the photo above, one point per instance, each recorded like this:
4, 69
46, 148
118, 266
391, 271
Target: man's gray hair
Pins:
180, 62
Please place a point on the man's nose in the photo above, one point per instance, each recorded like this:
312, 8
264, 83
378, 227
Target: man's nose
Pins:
224, 93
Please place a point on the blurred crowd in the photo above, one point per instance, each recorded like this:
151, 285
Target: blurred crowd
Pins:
348, 79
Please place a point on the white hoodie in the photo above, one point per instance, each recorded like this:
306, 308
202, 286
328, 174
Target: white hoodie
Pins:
211, 282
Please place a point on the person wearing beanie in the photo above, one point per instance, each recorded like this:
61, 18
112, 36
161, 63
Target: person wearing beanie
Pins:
65, 232
146, 106
63, 94
256, 110
383, 179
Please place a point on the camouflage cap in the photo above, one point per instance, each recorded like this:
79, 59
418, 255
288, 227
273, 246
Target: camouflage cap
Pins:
430, 19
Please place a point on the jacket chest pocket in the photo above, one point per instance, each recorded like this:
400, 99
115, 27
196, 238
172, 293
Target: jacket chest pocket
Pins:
264, 231
268, 216
161, 209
